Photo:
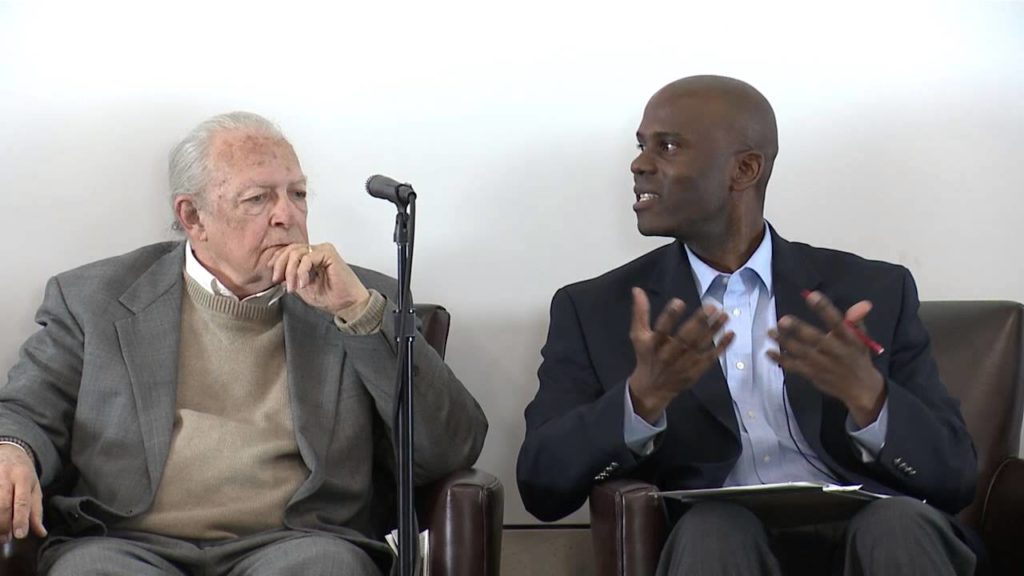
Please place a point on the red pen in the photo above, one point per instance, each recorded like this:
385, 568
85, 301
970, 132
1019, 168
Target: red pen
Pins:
875, 347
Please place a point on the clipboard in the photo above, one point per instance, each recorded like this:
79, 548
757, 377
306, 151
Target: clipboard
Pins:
787, 504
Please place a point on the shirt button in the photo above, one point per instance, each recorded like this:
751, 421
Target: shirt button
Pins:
750, 414
735, 311
767, 458
740, 365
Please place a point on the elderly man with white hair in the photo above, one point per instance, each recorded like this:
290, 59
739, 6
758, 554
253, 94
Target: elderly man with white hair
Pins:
221, 404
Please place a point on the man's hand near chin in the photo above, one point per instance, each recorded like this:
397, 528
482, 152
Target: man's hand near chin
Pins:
319, 275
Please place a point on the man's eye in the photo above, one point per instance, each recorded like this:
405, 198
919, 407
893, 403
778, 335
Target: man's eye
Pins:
669, 146
640, 147
256, 199
300, 194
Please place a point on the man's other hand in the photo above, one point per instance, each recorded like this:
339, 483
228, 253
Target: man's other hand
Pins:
21, 497
834, 360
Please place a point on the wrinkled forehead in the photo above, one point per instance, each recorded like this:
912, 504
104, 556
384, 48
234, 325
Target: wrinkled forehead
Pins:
246, 151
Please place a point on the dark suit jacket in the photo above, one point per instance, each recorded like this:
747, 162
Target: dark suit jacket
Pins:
94, 391
574, 426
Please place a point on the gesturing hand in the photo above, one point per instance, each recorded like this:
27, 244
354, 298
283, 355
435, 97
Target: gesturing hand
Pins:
320, 276
667, 362
835, 361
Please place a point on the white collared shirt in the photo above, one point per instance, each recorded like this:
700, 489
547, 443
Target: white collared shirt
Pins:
195, 269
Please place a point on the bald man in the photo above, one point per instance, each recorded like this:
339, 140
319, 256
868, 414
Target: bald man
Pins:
725, 359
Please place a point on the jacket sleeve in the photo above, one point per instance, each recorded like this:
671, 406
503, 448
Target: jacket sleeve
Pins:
37, 404
449, 426
928, 452
574, 427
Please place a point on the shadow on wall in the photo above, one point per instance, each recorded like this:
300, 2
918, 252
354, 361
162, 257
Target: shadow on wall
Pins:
80, 185
916, 181
504, 351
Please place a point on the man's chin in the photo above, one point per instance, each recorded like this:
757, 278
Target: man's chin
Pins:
653, 229
259, 283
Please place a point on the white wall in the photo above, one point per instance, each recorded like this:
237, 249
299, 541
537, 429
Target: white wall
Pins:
901, 132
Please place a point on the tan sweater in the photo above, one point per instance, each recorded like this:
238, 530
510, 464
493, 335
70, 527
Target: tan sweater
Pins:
233, 463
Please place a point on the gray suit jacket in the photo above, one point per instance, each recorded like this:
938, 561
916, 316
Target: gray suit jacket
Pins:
94, 390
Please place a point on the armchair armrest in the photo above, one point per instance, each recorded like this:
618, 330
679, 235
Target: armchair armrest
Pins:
629, 526
464, 513
1002, 520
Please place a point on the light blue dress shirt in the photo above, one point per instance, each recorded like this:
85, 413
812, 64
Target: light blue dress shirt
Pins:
771, 439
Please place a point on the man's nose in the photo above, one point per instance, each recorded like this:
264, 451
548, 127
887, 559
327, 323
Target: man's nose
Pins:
285, 212
641, 164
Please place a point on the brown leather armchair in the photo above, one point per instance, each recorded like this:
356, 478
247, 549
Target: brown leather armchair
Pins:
464, 511
978, 346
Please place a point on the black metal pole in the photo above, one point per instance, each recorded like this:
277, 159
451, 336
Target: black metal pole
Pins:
405, 335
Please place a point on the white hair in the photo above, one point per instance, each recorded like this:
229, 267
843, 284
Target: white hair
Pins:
188, 168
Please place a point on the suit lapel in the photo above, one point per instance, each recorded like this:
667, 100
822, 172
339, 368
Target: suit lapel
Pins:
791, 275
314, 352
676, 281
149, 343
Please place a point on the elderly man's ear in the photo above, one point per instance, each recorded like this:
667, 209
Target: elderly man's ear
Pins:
187, 212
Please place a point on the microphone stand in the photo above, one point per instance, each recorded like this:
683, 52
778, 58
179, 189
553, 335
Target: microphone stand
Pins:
405, 335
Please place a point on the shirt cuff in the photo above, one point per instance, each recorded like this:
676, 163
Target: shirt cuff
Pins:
870, 439
638, 433
369, 321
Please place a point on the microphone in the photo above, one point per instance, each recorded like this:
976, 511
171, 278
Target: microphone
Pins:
389, 189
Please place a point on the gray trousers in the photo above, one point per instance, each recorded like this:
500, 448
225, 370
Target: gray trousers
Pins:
275, 553
891, 536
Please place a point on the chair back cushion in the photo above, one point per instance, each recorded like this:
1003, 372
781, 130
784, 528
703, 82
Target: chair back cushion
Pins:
434, 324
977, 345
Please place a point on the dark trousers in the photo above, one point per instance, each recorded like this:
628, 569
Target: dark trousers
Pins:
891, 536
